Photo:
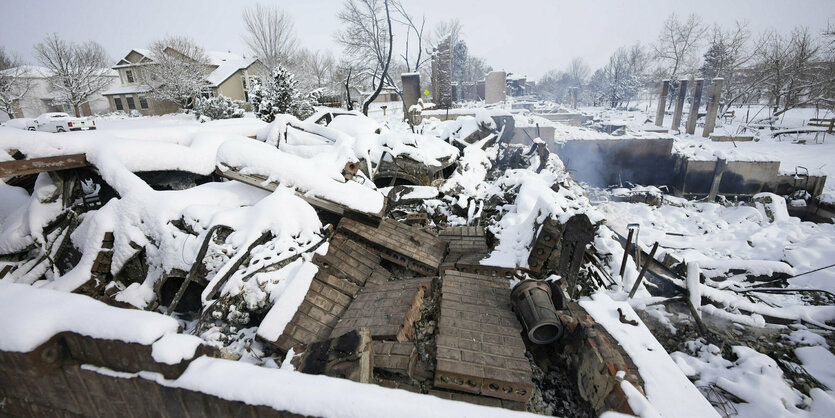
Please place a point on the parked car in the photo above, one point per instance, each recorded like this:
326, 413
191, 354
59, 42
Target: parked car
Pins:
62, 122
21, 123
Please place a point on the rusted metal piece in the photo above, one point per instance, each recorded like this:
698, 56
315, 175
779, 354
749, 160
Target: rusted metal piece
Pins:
350, 170
532, 301
39, 165
644, 269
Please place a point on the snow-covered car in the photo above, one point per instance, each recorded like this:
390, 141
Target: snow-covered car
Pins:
61, 122
21, 123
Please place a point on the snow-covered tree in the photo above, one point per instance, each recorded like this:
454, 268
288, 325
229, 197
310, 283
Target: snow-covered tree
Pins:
13, 83
76, 71
554, 84
220, 107
280, 95
620, 80
178, 72
270, 35
318, 68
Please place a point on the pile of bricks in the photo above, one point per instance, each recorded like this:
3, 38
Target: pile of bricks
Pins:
401, 244
479, 346
465, 239
387, 310
105, 256
325, 302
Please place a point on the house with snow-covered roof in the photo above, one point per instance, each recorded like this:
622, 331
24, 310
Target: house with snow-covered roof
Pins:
40, 98
228, 74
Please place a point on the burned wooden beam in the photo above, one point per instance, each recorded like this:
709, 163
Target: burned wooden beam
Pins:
261, 182
39, 165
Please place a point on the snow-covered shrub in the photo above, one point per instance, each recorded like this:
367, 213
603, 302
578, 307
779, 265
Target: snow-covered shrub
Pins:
279, 95
220, 107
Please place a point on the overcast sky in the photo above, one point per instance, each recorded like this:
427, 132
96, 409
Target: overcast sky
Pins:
522, 36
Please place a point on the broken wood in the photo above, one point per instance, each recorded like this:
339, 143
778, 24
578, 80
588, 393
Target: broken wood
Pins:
198, 261
38, 165
644, 269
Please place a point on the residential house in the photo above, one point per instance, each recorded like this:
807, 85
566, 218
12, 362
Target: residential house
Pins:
228, 74
39, 98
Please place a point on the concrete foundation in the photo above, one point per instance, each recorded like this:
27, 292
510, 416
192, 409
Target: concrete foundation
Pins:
411, 91
495, 87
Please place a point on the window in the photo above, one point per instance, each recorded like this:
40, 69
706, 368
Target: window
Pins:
118, 102
207, 93
129, 74
131, 104
143, 102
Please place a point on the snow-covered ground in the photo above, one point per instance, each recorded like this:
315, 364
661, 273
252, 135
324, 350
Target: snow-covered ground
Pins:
728, 243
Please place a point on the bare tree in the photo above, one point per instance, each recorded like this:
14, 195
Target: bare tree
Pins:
14, 83
367, 27
270, 35
678, 44
727, 56
178, 72
788, 69
412, 26
77, 71
451, 27
318, 69
578, 70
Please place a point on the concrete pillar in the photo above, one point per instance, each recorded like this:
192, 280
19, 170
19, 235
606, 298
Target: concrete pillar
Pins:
495, 85
713, 106
694, 106
680, 98
411, 91
718, 171
662, 102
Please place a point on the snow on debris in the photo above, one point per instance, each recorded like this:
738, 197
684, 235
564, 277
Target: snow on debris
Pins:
29, 317
302, 174
174, 348
661, 376
317, 395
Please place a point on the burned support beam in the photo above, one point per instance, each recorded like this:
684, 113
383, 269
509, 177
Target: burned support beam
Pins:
644, 269
38, 165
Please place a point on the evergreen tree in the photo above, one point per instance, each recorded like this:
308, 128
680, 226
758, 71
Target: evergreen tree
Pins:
280, 95
220, 107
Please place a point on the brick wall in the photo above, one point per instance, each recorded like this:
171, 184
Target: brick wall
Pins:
58, 378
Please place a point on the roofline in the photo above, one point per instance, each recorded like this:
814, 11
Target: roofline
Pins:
239, 69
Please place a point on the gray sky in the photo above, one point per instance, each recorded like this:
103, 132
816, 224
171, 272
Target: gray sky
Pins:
523, 36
